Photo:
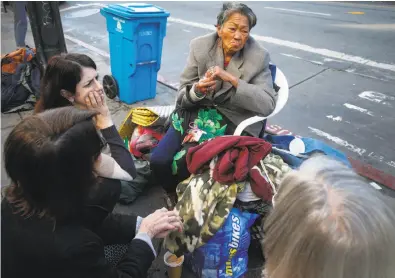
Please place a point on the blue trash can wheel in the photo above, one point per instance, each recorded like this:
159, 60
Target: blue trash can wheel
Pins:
110, 86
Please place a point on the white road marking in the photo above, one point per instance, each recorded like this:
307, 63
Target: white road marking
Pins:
349, 146
338, 141
296, 11
371, 27
360, 109
299, 46
316, 62
375, 185
82, 6
87, 46
376, 156
335, 119
193, 24
185, 30
300, 58
290, 44
332, 60
352, 70
376, 97
82, 13
290, 55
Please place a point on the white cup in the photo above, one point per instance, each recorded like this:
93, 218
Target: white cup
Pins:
174, 268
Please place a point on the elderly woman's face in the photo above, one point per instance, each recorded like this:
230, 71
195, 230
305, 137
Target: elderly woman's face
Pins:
234, 33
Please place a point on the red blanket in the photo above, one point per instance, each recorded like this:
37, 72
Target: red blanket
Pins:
237, 155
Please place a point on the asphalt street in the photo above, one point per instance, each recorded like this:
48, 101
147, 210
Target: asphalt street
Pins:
339, 59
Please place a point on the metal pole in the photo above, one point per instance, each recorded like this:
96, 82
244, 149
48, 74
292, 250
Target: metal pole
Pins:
46, 26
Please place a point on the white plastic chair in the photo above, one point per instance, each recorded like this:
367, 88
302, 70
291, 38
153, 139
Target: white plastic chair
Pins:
283, 94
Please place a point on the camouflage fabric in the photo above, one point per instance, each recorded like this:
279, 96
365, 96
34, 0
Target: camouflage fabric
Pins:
204, 205
275, 168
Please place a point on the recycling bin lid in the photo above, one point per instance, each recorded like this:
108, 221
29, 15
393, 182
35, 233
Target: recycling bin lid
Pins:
133, 10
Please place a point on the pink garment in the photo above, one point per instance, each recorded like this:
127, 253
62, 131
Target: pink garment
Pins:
145, 141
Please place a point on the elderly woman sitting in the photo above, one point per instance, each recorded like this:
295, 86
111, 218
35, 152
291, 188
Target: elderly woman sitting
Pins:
226, 80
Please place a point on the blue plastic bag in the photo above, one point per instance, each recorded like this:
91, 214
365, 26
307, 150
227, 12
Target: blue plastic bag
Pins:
312, 146
226, 254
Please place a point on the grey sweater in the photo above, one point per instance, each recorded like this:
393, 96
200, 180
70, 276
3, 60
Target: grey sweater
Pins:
253, 96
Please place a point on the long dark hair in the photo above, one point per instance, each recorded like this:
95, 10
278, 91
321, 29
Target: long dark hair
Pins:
50, 159
62, 73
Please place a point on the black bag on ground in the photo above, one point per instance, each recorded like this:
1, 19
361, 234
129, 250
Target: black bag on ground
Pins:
20, 80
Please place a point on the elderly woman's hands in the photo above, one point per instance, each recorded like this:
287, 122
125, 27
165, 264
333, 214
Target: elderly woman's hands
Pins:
219, 73
205, 85
160, 223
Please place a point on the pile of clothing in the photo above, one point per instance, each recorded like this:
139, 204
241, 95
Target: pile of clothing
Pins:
141, 131
143, 128
232, 183
221, 169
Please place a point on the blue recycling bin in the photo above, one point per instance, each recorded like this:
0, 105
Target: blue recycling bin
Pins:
136, 32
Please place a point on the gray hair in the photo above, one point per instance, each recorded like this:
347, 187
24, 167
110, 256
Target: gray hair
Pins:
230, 8
328, 223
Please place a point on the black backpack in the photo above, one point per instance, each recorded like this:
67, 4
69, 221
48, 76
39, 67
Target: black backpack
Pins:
20, 80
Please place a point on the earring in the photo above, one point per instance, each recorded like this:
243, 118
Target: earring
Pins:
71, 100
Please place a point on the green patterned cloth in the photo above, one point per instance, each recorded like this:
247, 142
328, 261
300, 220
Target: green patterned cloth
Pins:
204, 205
198, 127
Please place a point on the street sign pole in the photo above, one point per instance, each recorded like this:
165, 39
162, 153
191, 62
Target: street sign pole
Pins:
46, 26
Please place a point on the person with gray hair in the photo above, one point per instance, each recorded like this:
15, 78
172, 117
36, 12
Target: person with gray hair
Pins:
328, 223
226, 80
230, 8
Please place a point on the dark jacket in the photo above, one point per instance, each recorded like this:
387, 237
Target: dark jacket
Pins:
104, 196
34, 247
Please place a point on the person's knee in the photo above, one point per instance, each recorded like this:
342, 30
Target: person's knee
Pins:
159, 159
